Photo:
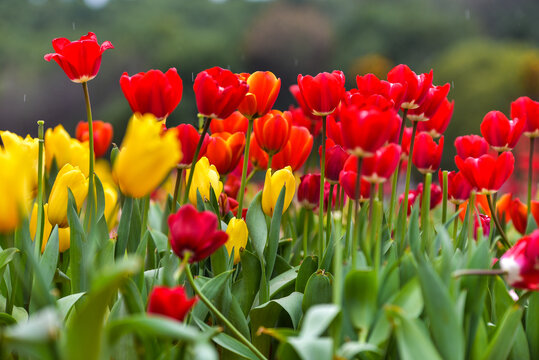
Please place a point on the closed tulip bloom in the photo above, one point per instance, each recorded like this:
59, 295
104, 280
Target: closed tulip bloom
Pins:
63, 233
79, 59
347, 179
236, 122
272, 188
334, 130
416, 86
28, 150
195, 232
335, 159
296, 93
296, 151
264, 88
224, 150
273, 130
170, 302
520, 263
309, 191
188, 138
218, 92
153, 92
438, 122
405, 145
322, 93
205, 175
369, 84
111, 204
69, 177
237, 237
146, 156
65, 150
102, 135
430, 105
458, 188
471, 146
378, 168
487, 173
299, 118
528, 110
502, 207
435, 194
257, 156
501, 133
427, 154
518, 212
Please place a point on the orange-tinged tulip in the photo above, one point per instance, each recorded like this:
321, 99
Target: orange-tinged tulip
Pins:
102, 131
481, 204
296, 151
205, 175
232, 124
519, 215
273, 130
68, 177
237, 237
272, 188
224, 151
63, 233
264, 88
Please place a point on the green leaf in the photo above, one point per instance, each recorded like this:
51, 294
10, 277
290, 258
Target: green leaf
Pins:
5, 258
132, 297
124, 227
413, 232
306, 269
280, 282
309, 348
318, 319
211, 290
319, 289
66, 303
49, 260
532, 325
77, 247
501, 343
360, 297
219, 261
100, 196
351, 350
246, 287
256, 224
275, 227
160, 240
205, 351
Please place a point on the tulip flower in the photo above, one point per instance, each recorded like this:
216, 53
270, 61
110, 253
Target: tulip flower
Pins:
172, 303
322, 93
427, 154
485, 225
416, 86
348, 178
435, 194
272, 188
188, 138
204, 177
227, 204
195, 232
378, 168
501, 133
406, 140
335, 159
309, 191
263, 91
68, 177
111, 204
218, 92
458, 188
224, 150
526, 109
236, 122
273, 130
237, 237
296, 150
299, 118
79, 59
487, 173
334, 129
438, 122
369, 84
430, 105
520, 263
28, 149
153, 92
519, 215
257, 157
146, 156
102, 135
296, 93
65, 150
471, 146
63, 233
502, 207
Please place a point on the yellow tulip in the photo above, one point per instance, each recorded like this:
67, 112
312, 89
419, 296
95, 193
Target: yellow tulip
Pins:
103, 171
111, 202
68, 177
205, 175
65, 150
272, 188
28, 147
237, 237
146, 156
14, 189
63, 234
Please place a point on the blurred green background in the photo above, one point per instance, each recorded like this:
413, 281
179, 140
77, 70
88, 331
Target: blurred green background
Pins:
486, 49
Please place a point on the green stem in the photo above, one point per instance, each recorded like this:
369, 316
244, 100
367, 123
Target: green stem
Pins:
408, 173
145, 210
244, 169
487, 272
455, 225
321, 240
205, 128
497, 222
393, 199
328, 213
357, 194
425, 207
372, 196
530, 176
305, 233
174, 204
90, 203
270, 160
220, 316
348, 229
471, 215
40, 215
444, 196
376, 239
403, 125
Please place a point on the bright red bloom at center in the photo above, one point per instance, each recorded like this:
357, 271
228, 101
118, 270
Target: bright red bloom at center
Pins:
427, 154
487, 173
170, 302
322, 93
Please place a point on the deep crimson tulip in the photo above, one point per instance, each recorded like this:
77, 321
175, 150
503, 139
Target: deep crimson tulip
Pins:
189, 137
436, 194
299, 118
257, 156
263, 91
416, 86
218, 92
413, 195
427, 154
430, 105
195, 232
273, 130
471, 146
519, 215
366, 130
347, 179
333, 130
501, 133
458, 188
296, 150
485, 225
439, 122
520, 263
224, 151
236, 122
322, 93
227, 204
79, 59
369, 84
102, 135
153, 92
528, 110
170, 302
309, 191
378, 168
335, 159
487, 173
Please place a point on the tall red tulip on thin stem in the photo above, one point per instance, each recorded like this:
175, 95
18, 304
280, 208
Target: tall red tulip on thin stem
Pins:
438, 122
272, 132
473, 146
427, 154
501, 133
369, 84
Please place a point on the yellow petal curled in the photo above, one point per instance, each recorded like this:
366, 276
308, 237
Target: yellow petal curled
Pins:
272, 188
205, 175
70, 177
237, 237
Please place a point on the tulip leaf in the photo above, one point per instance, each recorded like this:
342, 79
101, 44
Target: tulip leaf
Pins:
246, 287
5, 258
306, 269
124, 227
200, 202
49, 260
360, 296
77, 238
205, 351
160, 240
306, 349
502, 341
532, 325
283, 280
100, 198
273, 238
256, 224
319, 290
132, 297
317, 320
66, 303
351, 350
211, 289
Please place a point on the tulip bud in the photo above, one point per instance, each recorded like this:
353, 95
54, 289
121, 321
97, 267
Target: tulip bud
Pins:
205, 175
237, 237
68, 177
309, 191
170, 302
63, 233
520, 263
272, 188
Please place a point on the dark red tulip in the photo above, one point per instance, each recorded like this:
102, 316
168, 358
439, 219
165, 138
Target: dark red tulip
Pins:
369, 84
471, 146
378, 168
347, 179
299, 118
416, 86
430, 105
195, 232
296, 151
520, 263
273, 130
487, 173
189, 137
458, 188
335, 159
528, 110
236, 122
170, 302
501, 133
485, 225
225, 150
102, 135
436, 194
218, 92
427, 154
413, 195
439, 122
153, 92
309, 191
322, 93
79, 59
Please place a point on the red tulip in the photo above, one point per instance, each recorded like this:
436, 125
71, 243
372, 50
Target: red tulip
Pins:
334, 196
189, 137
458, 188
299, 118
520, 263
416, 86
322, 93
102, 135
195, 232
430, 105
348, 178
263, 90
224, 151
79, 59
227, 204
412, 197
501, 133
218, 92
487, 173
427, 154
436, 194
296, 151
528, 110
273, 130
406, 140
309, 191
153, 92
502, 207
334, 129
471, 146
295, 91
378, 168
257, 156
369, 84
335, 159
168, 302
236, 122
485, 225
354, 97
439, 122
519, 215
